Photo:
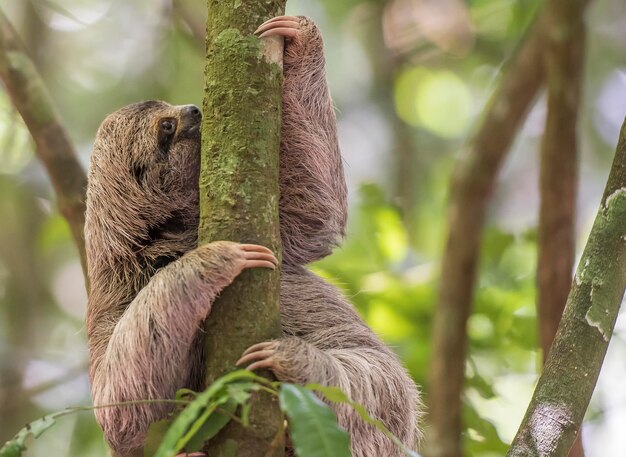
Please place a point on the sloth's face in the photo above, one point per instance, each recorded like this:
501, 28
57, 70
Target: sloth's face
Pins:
143, 180
158, 144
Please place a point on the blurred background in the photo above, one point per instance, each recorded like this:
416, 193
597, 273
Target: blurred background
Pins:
410, 79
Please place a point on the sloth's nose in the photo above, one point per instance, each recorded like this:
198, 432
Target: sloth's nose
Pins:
191, 113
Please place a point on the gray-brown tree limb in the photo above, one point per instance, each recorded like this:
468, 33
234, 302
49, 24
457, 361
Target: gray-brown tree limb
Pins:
563, 60
473, 180
54, 147
474, 177
564, 389
239, 200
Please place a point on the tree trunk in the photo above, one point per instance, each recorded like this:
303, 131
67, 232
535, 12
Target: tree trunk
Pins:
564, 58
239, 200
564, 389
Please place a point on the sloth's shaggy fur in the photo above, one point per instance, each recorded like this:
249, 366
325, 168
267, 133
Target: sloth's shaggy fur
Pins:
152, 286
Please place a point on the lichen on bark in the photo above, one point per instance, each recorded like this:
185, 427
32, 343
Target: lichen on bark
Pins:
239, 200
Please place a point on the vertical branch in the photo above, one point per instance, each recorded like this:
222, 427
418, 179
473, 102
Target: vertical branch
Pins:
54, 148
571, 371
473, 179
563, 57
239, 198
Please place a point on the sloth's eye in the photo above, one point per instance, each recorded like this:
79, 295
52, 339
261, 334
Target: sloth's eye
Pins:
168, 126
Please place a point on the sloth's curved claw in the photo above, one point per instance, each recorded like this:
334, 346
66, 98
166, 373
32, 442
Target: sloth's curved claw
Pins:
258, 256
285, 26
259, 356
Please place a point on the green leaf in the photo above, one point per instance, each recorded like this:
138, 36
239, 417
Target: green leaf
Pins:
211, 426
337, 395
185, 394
240, 392
156, 431
313, 426
16, 446
191, 419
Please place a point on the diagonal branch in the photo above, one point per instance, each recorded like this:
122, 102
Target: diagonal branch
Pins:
473, 180
573, 365
54, 148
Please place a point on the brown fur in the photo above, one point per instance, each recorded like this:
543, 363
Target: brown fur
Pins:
151, 286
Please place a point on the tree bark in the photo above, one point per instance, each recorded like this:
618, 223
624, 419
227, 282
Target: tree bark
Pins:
54, 147
473, 179
564, 389
563, 60
239, 199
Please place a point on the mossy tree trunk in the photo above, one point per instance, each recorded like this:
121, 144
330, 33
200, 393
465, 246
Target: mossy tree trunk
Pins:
239, 200
564, 389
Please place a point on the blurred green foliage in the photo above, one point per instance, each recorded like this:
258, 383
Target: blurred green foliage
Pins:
396, 292
405, 77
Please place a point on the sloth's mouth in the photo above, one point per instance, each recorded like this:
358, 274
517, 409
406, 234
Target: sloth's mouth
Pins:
192, 132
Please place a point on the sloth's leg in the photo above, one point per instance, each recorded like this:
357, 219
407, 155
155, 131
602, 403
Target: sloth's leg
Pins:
312, 184
370, 376
148, 355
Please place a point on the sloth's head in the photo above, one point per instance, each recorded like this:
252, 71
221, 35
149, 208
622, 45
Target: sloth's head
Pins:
155, 143
143, 178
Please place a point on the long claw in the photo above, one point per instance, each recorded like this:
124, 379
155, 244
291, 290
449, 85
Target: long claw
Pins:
259, 264
261, 364
258, 347
282, 31
283, 18
276, 24
255, 248
260, 355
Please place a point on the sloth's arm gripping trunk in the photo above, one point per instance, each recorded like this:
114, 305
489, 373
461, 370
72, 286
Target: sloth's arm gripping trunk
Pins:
313, 207
158, 326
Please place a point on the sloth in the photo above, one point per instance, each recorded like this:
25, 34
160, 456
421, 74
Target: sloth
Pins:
152, 286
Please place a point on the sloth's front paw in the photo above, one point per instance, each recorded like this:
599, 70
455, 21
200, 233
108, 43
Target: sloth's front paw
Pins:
286, 358
260, 356
301, 35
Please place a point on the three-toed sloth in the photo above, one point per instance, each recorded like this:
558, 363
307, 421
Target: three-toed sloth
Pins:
152, 286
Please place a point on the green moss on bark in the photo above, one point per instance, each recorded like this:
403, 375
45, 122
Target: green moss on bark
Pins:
239, 200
